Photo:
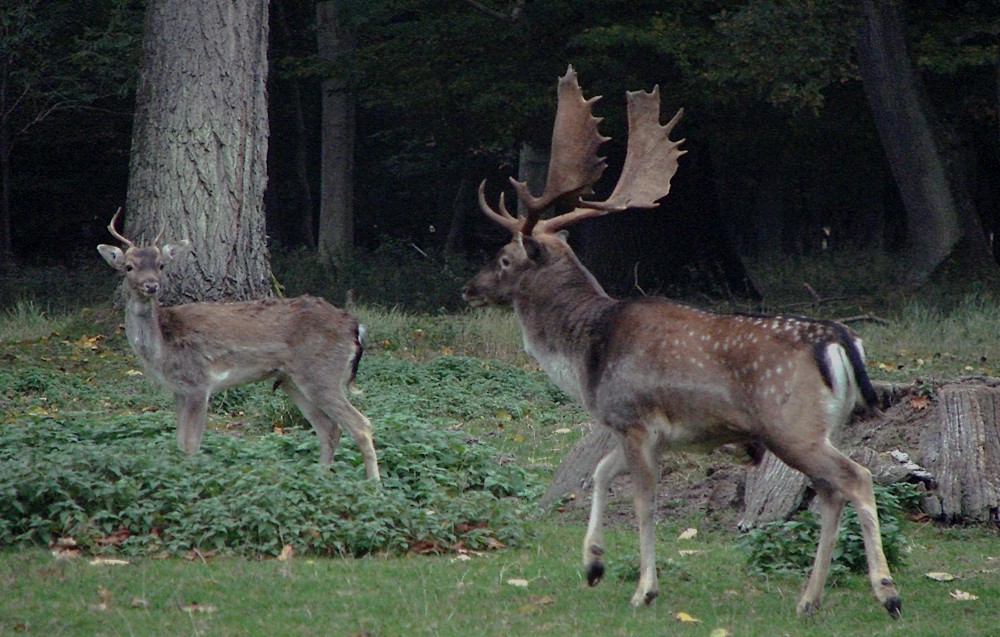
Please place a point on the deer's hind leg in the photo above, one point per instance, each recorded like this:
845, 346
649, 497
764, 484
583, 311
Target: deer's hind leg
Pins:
838, 478
326, 429
332, 411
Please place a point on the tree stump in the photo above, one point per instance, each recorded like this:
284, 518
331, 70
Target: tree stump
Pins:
962, 451
773, 492
576, 471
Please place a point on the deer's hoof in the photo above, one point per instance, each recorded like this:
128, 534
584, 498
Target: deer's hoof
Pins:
894, 605
595, 573
643, 598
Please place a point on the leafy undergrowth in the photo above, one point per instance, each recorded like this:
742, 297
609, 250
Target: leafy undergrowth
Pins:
119, 486
790, 546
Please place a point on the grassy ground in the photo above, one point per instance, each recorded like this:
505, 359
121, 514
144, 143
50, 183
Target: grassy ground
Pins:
73, 364
536, 591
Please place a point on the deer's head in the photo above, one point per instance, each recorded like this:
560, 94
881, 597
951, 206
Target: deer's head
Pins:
574, 167
140, 265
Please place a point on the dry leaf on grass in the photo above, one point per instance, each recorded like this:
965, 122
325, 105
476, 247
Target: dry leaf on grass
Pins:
940, 576
519, 583
195, 607
963, 596
688, 534
107, 561
684, 617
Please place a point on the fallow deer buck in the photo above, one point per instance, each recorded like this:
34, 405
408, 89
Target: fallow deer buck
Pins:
663, 375
309, 347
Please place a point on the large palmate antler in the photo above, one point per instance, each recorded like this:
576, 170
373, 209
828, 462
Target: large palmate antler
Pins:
574, 167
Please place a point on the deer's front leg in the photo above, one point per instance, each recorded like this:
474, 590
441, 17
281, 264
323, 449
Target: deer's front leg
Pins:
641, 459
192, 409
593, 543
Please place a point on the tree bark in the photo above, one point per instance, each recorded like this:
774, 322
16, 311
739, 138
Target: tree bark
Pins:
302, 225
199, 147
575, 474
336, 207
939, 209
6, 241
963, 453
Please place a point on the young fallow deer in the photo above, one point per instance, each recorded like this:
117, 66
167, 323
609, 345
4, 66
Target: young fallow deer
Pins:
663, 375
309, 347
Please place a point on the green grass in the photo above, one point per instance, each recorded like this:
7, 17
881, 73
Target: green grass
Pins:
443, 595
464, 376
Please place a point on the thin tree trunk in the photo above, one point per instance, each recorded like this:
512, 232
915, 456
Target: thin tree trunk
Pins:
6, 241
336, 207
199, 146
305, 233
938, 207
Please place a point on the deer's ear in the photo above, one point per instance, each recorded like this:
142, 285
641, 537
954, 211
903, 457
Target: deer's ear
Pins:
534, 250
171, 251
113, 255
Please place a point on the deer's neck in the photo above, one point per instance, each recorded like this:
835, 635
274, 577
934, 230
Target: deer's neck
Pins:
142, 327
560, 309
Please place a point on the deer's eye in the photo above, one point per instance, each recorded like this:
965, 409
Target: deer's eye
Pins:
128, 268
505, 261
161, 266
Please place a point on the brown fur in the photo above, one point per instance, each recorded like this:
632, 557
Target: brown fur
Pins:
194, 350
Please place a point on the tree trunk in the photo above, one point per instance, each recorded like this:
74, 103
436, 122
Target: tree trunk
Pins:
575, 474
302, 231
963, 453
773, 492
941, 221
199, 146
6, 241
336, 206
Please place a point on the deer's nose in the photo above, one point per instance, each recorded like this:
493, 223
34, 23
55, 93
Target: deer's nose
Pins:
151, 287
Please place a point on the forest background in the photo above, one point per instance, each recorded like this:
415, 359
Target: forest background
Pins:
792, 151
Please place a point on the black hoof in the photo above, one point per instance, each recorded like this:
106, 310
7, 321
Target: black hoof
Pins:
894, 605
595, 573
650, 596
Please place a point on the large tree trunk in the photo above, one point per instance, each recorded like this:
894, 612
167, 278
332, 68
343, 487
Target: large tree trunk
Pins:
336, 206
199, 146
941, 221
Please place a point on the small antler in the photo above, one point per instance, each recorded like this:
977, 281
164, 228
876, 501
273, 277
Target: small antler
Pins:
127, 242
114, 233
574, 167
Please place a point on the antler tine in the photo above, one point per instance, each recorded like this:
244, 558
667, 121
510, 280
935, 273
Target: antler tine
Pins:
159, 236
574, 166
503, 217
650, 163
114, 233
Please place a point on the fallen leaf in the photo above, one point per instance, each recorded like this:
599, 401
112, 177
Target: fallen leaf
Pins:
919, 402
687, 552
286, 553
940, 577
107, 561
720, 632
688, 534
536, 603
563, 430
195, 607
962, 596
138, 602
684, 617
520, 583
